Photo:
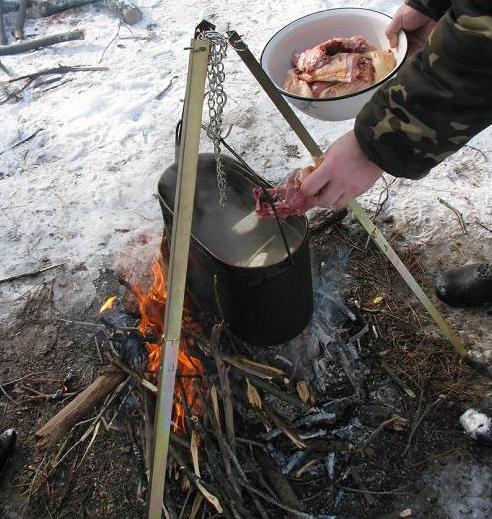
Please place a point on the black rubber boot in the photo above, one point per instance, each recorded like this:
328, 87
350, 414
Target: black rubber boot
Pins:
470, 285
7, 445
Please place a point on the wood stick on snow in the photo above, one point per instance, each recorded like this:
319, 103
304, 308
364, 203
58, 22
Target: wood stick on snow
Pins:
61, 69
11, 5
125, 9
38, 43
49, 7
3, 34
72, 413
33, 272
21, 19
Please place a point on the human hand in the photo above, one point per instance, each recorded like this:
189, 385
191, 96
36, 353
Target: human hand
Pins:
345, 172
416, 25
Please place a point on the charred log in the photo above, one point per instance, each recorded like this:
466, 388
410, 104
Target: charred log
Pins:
280, 485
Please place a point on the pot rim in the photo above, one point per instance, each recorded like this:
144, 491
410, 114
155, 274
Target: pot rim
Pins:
283, 263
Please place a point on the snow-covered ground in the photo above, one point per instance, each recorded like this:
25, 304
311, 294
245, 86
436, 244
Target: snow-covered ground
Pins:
83, 190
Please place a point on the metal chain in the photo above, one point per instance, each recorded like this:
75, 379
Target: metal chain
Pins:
217, 99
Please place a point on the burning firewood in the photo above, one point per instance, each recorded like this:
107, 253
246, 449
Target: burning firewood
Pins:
58, 426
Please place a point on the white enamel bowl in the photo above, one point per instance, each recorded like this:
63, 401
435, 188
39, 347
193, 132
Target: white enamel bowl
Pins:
315, 28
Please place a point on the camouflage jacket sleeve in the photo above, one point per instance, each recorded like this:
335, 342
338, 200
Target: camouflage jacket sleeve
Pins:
438, 101
433, 8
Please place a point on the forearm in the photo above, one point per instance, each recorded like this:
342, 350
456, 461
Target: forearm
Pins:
439, 100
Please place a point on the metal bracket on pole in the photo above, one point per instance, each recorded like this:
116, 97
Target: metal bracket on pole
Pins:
178, 264
305, 137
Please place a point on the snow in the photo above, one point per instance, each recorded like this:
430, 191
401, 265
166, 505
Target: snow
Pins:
477, 425
83, 190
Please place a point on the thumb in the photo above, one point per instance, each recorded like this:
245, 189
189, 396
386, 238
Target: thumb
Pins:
393, 29
316, 180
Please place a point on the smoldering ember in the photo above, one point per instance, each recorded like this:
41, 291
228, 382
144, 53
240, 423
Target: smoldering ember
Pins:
213, 301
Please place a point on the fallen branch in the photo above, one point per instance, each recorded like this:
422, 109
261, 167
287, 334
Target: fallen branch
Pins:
162, 93
63, 422
3, 34
32, 273
49, 7
419, 420
456, 212
46, 41
23, 141
377, 431
268, 499
6, 70
21, 19
61, 69
397, 379
10, 6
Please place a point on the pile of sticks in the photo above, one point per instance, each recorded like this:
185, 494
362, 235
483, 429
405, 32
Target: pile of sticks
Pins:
254, 441
126, 10
230, 473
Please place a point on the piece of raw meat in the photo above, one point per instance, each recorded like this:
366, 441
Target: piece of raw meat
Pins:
342, 89
337, 67
316, 57
318, 86
383, 62
342, 68
287, 197
297, 86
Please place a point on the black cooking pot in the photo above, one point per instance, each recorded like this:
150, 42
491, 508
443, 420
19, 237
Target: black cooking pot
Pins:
264, 289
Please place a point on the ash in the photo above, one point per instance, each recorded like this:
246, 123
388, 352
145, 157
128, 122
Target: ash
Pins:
328, 354
331, 357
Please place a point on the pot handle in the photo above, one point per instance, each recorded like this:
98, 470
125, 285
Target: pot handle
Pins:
177, 140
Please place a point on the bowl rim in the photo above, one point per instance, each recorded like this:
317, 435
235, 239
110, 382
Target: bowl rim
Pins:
346, 96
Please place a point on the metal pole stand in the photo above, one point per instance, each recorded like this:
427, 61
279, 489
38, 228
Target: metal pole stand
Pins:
178, 264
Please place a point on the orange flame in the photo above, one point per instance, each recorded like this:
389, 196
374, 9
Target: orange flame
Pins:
152, 305
108, 304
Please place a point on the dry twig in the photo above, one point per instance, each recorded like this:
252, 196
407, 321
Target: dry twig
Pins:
31, 274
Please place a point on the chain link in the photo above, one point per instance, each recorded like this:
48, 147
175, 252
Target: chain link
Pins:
217, 99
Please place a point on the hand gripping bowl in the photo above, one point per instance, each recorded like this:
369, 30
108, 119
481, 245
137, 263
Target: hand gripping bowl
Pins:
310, 30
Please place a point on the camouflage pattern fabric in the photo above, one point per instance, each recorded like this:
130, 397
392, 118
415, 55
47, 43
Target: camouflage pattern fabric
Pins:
433, 8
440, 98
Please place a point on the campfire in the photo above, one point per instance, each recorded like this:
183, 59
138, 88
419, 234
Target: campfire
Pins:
151, 306
234, 415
